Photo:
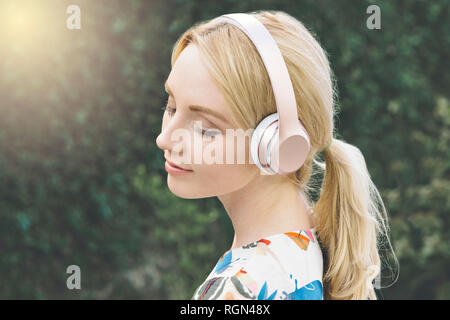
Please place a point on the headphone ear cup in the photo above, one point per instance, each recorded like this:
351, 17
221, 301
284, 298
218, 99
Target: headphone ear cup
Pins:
257, 143
270, 147
292, 152
264, 141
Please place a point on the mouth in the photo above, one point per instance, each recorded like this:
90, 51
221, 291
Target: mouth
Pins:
173, 165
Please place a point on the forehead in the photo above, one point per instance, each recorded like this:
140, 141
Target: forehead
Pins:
191, 82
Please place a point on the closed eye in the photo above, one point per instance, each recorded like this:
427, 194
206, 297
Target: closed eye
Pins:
170, 110
205, 132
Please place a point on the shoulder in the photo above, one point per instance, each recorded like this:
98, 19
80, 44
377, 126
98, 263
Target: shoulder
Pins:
285, 266
223, 288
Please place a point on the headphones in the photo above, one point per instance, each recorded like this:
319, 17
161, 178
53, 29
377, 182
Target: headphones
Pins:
279, 143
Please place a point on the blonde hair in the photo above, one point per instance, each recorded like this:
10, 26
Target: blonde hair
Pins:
348, 222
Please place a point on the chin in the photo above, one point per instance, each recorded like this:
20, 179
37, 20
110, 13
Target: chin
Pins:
182, 189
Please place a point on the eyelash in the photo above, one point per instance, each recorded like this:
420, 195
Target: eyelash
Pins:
171, 112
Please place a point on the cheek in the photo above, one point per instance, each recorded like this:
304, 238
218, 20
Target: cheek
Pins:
236, 165
216, 179
227, 150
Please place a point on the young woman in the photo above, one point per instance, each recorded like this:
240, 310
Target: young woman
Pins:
218, 80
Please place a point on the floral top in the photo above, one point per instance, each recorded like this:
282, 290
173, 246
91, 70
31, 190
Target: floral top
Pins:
286, 266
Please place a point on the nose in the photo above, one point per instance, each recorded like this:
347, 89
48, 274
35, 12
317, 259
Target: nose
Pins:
163, 140
173, 138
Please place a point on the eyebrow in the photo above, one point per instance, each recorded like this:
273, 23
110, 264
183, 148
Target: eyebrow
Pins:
197, 108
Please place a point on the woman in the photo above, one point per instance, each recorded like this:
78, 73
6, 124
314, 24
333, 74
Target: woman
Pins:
219, 89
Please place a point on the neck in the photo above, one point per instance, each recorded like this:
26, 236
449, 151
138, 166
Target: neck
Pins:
263, 208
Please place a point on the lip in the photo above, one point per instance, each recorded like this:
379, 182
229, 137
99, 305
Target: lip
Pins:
173, 169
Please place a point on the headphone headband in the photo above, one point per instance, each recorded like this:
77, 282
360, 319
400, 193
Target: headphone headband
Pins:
288, 156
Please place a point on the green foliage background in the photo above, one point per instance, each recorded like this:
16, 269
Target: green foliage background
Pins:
82, 181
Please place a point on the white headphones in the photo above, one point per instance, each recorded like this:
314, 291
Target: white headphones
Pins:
280, 143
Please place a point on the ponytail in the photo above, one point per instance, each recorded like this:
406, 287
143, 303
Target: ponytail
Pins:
349, 224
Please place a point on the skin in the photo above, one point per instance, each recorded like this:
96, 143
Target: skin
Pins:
258, 205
